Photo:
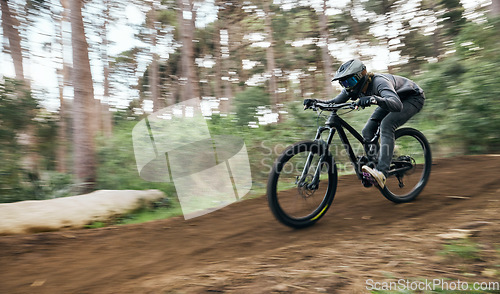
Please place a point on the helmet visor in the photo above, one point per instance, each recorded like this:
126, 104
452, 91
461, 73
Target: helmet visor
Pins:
349, 83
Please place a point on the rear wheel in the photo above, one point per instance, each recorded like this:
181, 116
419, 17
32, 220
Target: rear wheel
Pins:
295, 199
410, 167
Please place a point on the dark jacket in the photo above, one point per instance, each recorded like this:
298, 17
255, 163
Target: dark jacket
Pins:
389, 91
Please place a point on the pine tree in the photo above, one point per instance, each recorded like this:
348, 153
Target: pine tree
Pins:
83, 104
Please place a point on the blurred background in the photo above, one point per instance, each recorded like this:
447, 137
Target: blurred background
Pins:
78, 75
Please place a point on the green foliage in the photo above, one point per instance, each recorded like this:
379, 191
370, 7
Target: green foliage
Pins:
246, 103
17, 110
18, 113
47, 144
463, 248
267, 142
151, 214
159, 210
417, 48
167, 17
117, 167
379, 6
453, 17
96, 225
462, 91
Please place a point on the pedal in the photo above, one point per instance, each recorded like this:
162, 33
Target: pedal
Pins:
368, 180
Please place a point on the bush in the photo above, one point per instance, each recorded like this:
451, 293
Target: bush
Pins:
117, 168
462, 92
17, 110
246, 103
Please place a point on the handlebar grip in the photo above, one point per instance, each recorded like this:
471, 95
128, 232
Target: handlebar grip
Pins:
310, 106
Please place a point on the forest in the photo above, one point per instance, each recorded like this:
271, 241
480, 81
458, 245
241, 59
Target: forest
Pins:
78, 75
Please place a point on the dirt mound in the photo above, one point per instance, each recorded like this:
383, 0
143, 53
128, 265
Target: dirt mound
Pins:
243, 249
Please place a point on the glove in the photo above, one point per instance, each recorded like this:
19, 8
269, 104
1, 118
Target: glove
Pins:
365, 101
309, 102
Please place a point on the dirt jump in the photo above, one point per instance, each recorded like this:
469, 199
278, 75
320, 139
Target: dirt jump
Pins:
449, 233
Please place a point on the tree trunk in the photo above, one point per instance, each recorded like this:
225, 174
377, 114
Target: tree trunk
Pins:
9, 26
227, 65
314, 79
356, 30
61, 135
325, 53
107, 124
495, 8
271, 65
62, 141
188, 79
83, 104
218, 60
62, 78
153, 82
386, 8
223, 99
222, 89
154, 75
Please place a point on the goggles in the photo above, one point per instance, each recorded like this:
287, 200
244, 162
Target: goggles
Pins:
350, 82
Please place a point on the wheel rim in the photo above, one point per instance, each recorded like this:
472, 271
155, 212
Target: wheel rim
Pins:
410, 159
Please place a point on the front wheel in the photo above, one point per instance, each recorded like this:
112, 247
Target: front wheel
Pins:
410, 167
302, 184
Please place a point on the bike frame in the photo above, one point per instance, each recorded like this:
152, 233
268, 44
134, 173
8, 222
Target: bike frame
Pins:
334, 124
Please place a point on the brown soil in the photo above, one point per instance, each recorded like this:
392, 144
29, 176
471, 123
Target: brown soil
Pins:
243, 249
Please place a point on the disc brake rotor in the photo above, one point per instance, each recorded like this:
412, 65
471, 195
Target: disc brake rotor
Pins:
304, 189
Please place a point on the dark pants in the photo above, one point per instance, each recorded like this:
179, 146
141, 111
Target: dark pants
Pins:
389, 122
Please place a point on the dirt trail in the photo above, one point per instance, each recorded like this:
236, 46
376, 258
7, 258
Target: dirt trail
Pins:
243, 249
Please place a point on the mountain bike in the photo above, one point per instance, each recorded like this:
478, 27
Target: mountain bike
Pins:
303, 180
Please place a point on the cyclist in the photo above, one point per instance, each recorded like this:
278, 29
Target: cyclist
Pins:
398, 100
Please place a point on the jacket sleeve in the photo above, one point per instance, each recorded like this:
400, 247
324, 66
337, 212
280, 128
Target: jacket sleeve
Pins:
387, 99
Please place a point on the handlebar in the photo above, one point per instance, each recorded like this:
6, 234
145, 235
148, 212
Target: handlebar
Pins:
331, 106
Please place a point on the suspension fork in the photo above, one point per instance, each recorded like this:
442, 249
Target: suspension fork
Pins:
323, 153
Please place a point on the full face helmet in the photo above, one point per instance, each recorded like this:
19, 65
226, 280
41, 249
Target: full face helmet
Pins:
350, 74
